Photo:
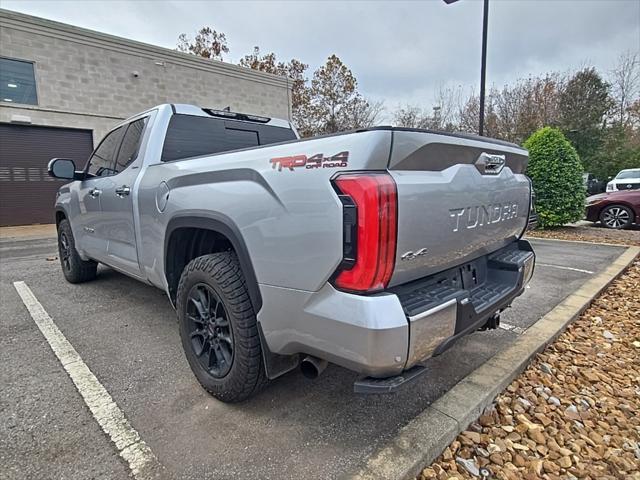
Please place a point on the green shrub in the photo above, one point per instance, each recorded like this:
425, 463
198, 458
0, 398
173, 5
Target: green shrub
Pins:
556, 173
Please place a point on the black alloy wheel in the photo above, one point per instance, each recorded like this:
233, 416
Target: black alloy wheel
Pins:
74, 268
65, 251
219, 328
209, 330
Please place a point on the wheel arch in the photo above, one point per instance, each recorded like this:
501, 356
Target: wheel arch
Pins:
61, 214
221, 229
620, 203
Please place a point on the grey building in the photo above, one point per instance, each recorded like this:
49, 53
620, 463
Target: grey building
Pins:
63, 87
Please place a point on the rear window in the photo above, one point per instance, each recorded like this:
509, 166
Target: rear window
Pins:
192, 136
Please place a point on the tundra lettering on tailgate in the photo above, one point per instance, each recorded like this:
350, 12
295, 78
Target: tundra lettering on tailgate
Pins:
482, 215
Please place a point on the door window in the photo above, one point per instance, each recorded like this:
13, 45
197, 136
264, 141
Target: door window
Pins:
102, 162
130, 144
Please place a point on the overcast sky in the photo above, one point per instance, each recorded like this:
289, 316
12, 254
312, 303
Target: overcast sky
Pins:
400, 52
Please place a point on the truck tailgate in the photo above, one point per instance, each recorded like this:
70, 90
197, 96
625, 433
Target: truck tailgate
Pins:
458, 198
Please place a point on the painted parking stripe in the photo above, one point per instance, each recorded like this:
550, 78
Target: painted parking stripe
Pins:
511, 328
111, 419
562, 267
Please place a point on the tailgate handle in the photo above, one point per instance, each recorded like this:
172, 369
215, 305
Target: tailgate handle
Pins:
490, 163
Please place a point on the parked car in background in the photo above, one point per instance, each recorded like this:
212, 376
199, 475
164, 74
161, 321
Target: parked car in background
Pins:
592, 184
615, 209
628, 179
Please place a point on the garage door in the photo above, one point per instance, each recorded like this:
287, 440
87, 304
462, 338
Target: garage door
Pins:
27, 193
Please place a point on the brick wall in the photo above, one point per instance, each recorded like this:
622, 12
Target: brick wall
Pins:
86, 79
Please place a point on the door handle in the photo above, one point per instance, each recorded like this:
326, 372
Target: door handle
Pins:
95, 192
123, 191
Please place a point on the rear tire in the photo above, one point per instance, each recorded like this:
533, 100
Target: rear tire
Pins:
75, 269
617, 217
218, 328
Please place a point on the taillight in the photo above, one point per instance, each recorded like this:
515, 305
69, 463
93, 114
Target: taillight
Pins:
370, 229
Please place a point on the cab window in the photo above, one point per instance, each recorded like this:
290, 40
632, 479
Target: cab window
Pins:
130, 144
192, 136
102, 162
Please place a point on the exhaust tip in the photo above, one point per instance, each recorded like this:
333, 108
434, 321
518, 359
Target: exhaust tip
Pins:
312, 367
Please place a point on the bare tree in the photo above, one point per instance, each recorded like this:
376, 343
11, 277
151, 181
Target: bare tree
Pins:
443, 114
410, 116
625, 85
295, 70
469, 113
362, 113
334, 103
208, 44
445, 108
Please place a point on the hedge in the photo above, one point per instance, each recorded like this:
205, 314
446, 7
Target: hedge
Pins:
556, 173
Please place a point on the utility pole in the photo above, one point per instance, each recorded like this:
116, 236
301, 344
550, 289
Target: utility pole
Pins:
483, 64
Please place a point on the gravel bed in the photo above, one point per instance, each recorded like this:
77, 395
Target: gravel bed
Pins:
591, 233
573, 413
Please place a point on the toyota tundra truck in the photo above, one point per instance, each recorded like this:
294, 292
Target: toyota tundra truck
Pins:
374, 249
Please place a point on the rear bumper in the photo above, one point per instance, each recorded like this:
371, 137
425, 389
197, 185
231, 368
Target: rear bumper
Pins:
387, 334
444, 307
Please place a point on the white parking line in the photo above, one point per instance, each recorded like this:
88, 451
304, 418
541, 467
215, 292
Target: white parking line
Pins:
511, 328
108, 415
562, 267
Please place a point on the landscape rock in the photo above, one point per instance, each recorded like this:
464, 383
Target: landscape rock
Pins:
554, 401
608, 335
564, 462
469, 465
576, 416
482, 452
550, 467
572, 413
546, 368
473, 437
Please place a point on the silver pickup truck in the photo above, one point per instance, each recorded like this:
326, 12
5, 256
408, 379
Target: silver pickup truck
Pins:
374, 249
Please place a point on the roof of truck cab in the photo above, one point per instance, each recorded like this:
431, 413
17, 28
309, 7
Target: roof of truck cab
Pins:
187, 109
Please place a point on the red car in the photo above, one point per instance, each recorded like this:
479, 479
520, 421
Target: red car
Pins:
615, 209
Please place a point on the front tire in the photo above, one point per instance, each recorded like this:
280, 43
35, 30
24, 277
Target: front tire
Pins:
218, 328
616, 216
75, 269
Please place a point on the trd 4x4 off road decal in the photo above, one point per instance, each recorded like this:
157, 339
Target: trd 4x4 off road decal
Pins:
317, 161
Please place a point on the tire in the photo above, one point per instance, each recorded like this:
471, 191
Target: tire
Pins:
218, 328
616, 216
75, 269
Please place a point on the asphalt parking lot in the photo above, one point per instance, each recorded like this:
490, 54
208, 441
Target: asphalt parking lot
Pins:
126, 332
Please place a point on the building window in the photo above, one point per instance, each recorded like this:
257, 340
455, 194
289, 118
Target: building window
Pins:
17, 82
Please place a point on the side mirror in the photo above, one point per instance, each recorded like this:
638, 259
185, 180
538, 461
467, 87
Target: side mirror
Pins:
62, 168
609, 178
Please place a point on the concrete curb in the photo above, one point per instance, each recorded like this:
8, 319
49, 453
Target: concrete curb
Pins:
424, 438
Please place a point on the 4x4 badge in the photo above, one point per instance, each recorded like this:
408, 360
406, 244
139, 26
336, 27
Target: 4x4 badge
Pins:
316, 161
412, 255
